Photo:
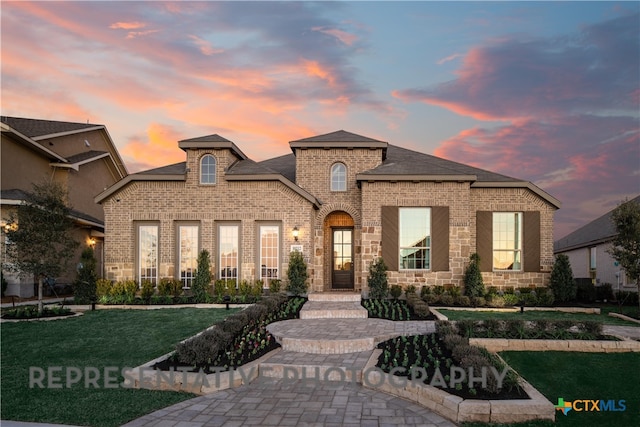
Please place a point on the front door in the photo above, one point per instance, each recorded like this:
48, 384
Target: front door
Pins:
342, 264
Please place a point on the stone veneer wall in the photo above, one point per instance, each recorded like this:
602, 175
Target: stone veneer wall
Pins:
463, 202
170, 202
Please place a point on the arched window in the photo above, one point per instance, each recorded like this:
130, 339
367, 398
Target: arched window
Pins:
338, 177
208, 170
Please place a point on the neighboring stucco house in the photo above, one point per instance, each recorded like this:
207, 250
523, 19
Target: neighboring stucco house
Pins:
80, 156
343, 200
587, 248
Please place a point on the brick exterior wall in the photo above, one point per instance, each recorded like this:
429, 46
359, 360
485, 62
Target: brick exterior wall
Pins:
250, 202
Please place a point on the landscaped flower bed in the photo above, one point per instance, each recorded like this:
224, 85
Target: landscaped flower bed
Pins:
436, 354
31, 312
396, 310
239, 339
537, 329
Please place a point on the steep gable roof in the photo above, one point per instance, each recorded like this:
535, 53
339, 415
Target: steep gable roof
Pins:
338, 139
600, 230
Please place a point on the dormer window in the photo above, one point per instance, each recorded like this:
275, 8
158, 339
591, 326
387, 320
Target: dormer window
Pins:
208, 169
338, 177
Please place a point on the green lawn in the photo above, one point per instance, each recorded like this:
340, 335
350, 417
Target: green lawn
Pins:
533, 315
103, 338
578, 376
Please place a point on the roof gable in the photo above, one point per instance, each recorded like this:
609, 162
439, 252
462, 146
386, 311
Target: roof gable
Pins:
339, 139
214, 141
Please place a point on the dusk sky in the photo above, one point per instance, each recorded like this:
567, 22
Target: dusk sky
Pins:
543, 91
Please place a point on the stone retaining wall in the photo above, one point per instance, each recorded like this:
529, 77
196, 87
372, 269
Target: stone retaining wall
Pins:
458, 409
502, 344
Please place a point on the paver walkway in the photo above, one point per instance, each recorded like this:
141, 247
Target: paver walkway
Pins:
277, 402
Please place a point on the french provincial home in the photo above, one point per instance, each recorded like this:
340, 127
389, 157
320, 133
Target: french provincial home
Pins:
342, 199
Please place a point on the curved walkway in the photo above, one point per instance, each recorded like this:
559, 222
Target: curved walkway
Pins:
278, 402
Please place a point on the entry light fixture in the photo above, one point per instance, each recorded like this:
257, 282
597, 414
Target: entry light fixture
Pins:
295, 233
92, 242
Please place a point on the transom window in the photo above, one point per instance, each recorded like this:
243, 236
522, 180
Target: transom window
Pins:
269, 253
507, 241
208, 169
188, 254
228, 252
148, 253
338, 177
415, 238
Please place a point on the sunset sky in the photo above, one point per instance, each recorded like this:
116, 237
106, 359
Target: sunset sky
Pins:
543, 91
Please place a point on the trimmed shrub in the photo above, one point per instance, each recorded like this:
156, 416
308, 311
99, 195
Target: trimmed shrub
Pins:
256, 289
274, 286
562, 283
463, 301
103, 287
510, 300
424, 291
529, 299
396, 291
446, 299
431, 299
203, 277
585, 291
497, 301
438, 290
473, 284
410, 289
147, 291
377, 279
297, 274
478, 301
169, 286
84, 287
604, 292
545, 297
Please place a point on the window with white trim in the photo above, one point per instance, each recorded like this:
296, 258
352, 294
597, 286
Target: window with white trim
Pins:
187, 253
208, 169
415, 238
228, 252
507, 241
338, 177
269, 253
148, 253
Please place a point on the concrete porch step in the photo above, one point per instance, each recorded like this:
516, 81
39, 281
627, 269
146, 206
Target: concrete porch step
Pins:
335, 296
333, 310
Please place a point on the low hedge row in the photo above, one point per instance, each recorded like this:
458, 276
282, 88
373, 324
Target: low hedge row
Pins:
537, 329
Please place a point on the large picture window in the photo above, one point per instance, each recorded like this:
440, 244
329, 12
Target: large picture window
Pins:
269, 253
208, 169
148, 253
507, 241
187, 253
415, 238
228, 249
338, 177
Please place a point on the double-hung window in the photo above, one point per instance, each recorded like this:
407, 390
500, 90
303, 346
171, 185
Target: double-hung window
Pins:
507, 241
269, 253
228, 252
148, 253
415, 238
187, 253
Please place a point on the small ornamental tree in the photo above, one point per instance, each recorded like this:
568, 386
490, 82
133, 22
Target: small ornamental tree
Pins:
203, 277
297, 274
473, 284
562, 284
84, 288
625, 247
377, 279
39, 232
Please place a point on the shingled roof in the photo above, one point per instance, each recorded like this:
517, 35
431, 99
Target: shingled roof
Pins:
600, 230
36, 128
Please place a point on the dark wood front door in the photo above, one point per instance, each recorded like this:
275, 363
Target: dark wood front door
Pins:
342, 260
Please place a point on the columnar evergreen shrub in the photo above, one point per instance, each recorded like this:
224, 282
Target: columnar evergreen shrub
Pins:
562, 283
202, 280
274, 286
377, 279
84, 287
473, 284
297, 274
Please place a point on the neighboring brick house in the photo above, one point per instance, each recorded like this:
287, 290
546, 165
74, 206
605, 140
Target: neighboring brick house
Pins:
80, 156
344, 200
587, 248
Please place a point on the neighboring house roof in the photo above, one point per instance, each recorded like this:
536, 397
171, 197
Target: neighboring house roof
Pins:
600, 230
35, 128
15, 197
31, 131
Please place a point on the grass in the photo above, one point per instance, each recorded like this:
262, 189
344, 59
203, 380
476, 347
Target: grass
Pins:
575, 376
103, 338
533, 315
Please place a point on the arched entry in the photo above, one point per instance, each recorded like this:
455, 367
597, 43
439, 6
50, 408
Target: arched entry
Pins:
339, 246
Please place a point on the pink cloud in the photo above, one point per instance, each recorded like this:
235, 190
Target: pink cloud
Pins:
345, 37
127, 25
